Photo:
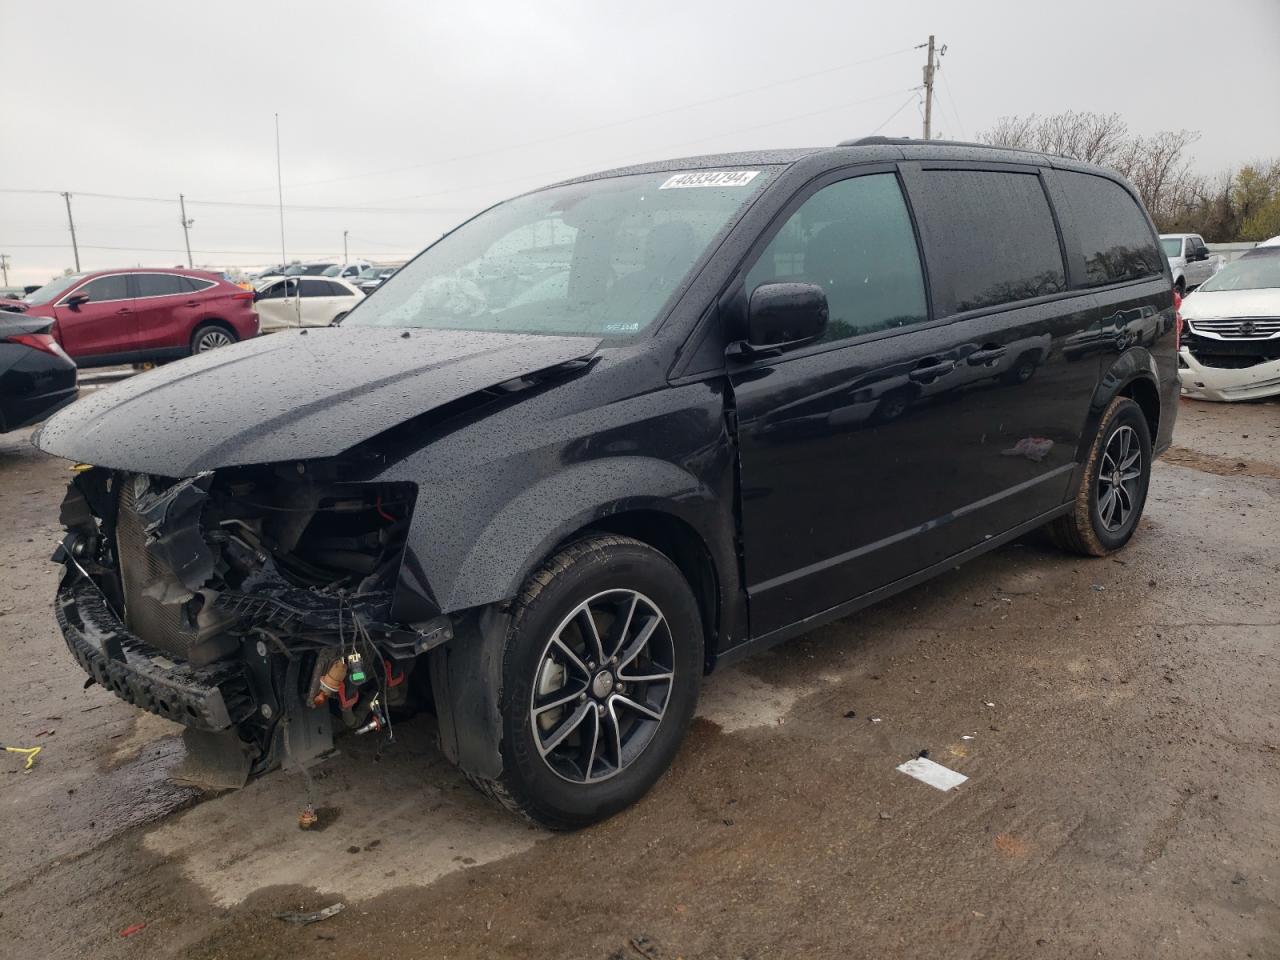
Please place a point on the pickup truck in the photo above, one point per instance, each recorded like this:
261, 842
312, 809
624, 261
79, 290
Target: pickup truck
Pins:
1190, 259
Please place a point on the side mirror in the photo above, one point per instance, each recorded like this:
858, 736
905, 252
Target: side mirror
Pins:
257, 295
781, 314
75, 300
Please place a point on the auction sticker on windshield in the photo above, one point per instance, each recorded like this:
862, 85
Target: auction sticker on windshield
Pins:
710, 178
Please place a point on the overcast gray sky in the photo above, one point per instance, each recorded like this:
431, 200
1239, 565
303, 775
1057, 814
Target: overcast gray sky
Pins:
426, 112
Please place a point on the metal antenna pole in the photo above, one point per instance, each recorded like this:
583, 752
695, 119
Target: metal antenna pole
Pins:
284, 260
186, 224
344, 247
4, 265
72, 223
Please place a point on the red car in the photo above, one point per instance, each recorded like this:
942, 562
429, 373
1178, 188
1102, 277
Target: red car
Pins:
132, 316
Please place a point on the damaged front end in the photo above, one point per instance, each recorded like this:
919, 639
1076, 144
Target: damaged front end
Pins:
251, 604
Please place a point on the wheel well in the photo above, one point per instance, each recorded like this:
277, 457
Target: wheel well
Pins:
685, 548
1144, 393
213, 322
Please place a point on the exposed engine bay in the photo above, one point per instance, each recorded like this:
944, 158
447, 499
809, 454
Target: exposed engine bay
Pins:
252, 604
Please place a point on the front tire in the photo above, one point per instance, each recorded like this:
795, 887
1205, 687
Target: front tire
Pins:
600, 679
1113, 489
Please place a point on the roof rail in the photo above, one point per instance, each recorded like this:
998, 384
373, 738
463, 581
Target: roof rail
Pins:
867, 141
905, 141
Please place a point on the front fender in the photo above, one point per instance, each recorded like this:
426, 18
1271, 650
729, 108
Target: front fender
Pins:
525, 531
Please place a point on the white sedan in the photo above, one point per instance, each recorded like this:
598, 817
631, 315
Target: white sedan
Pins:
1231, 338
285, 302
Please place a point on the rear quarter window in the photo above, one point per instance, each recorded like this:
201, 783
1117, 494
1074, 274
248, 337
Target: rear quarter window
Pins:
1115, 240
989, 238
159, 284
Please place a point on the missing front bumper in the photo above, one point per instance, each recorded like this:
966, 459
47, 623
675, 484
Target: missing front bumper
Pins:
214, 697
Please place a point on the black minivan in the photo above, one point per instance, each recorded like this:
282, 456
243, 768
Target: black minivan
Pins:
608, 435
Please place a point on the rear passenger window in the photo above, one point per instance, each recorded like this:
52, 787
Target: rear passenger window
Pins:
159, 284
195, 285
989, 238
854, 240
1115, 240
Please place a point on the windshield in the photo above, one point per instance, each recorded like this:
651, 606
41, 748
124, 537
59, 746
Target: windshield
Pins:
600, 258
333, 271
1172, 248
54, 289
1251, 272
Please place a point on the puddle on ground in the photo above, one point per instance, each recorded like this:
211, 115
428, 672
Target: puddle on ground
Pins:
736, 700
406, 820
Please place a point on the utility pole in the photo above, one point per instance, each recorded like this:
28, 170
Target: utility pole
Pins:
928, 92
931, 67
344, 247
72, 223
284, 260
186, 224
4, 265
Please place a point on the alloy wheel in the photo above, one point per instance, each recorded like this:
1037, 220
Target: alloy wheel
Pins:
212, 339
1119, 476
602, 686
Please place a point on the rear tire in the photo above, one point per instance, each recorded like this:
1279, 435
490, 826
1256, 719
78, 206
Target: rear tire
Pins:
1113, 489
587, 727
210, 336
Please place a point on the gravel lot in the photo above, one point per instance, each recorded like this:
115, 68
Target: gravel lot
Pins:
1116, 718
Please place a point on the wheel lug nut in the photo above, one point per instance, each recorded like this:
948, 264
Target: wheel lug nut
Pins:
618, 687
599, 709
581, 697
591, 664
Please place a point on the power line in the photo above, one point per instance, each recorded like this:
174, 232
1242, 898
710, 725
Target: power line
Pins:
603, 126
523, 178
946, 89
631, 157
174, 250
915, 97
240, 204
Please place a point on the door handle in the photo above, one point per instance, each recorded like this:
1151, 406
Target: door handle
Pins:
986, 355
928, 372
124, 310
193, 303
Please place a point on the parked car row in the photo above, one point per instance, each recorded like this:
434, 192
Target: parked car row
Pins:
110, 317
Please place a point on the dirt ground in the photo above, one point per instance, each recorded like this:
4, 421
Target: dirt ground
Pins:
1116, 719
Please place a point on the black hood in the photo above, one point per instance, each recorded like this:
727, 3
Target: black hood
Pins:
296, 395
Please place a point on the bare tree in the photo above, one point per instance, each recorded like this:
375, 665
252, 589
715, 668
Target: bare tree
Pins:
1158, 166
1238, 204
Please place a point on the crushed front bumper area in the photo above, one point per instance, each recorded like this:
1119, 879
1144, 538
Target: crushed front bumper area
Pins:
211, 698
1204, 381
